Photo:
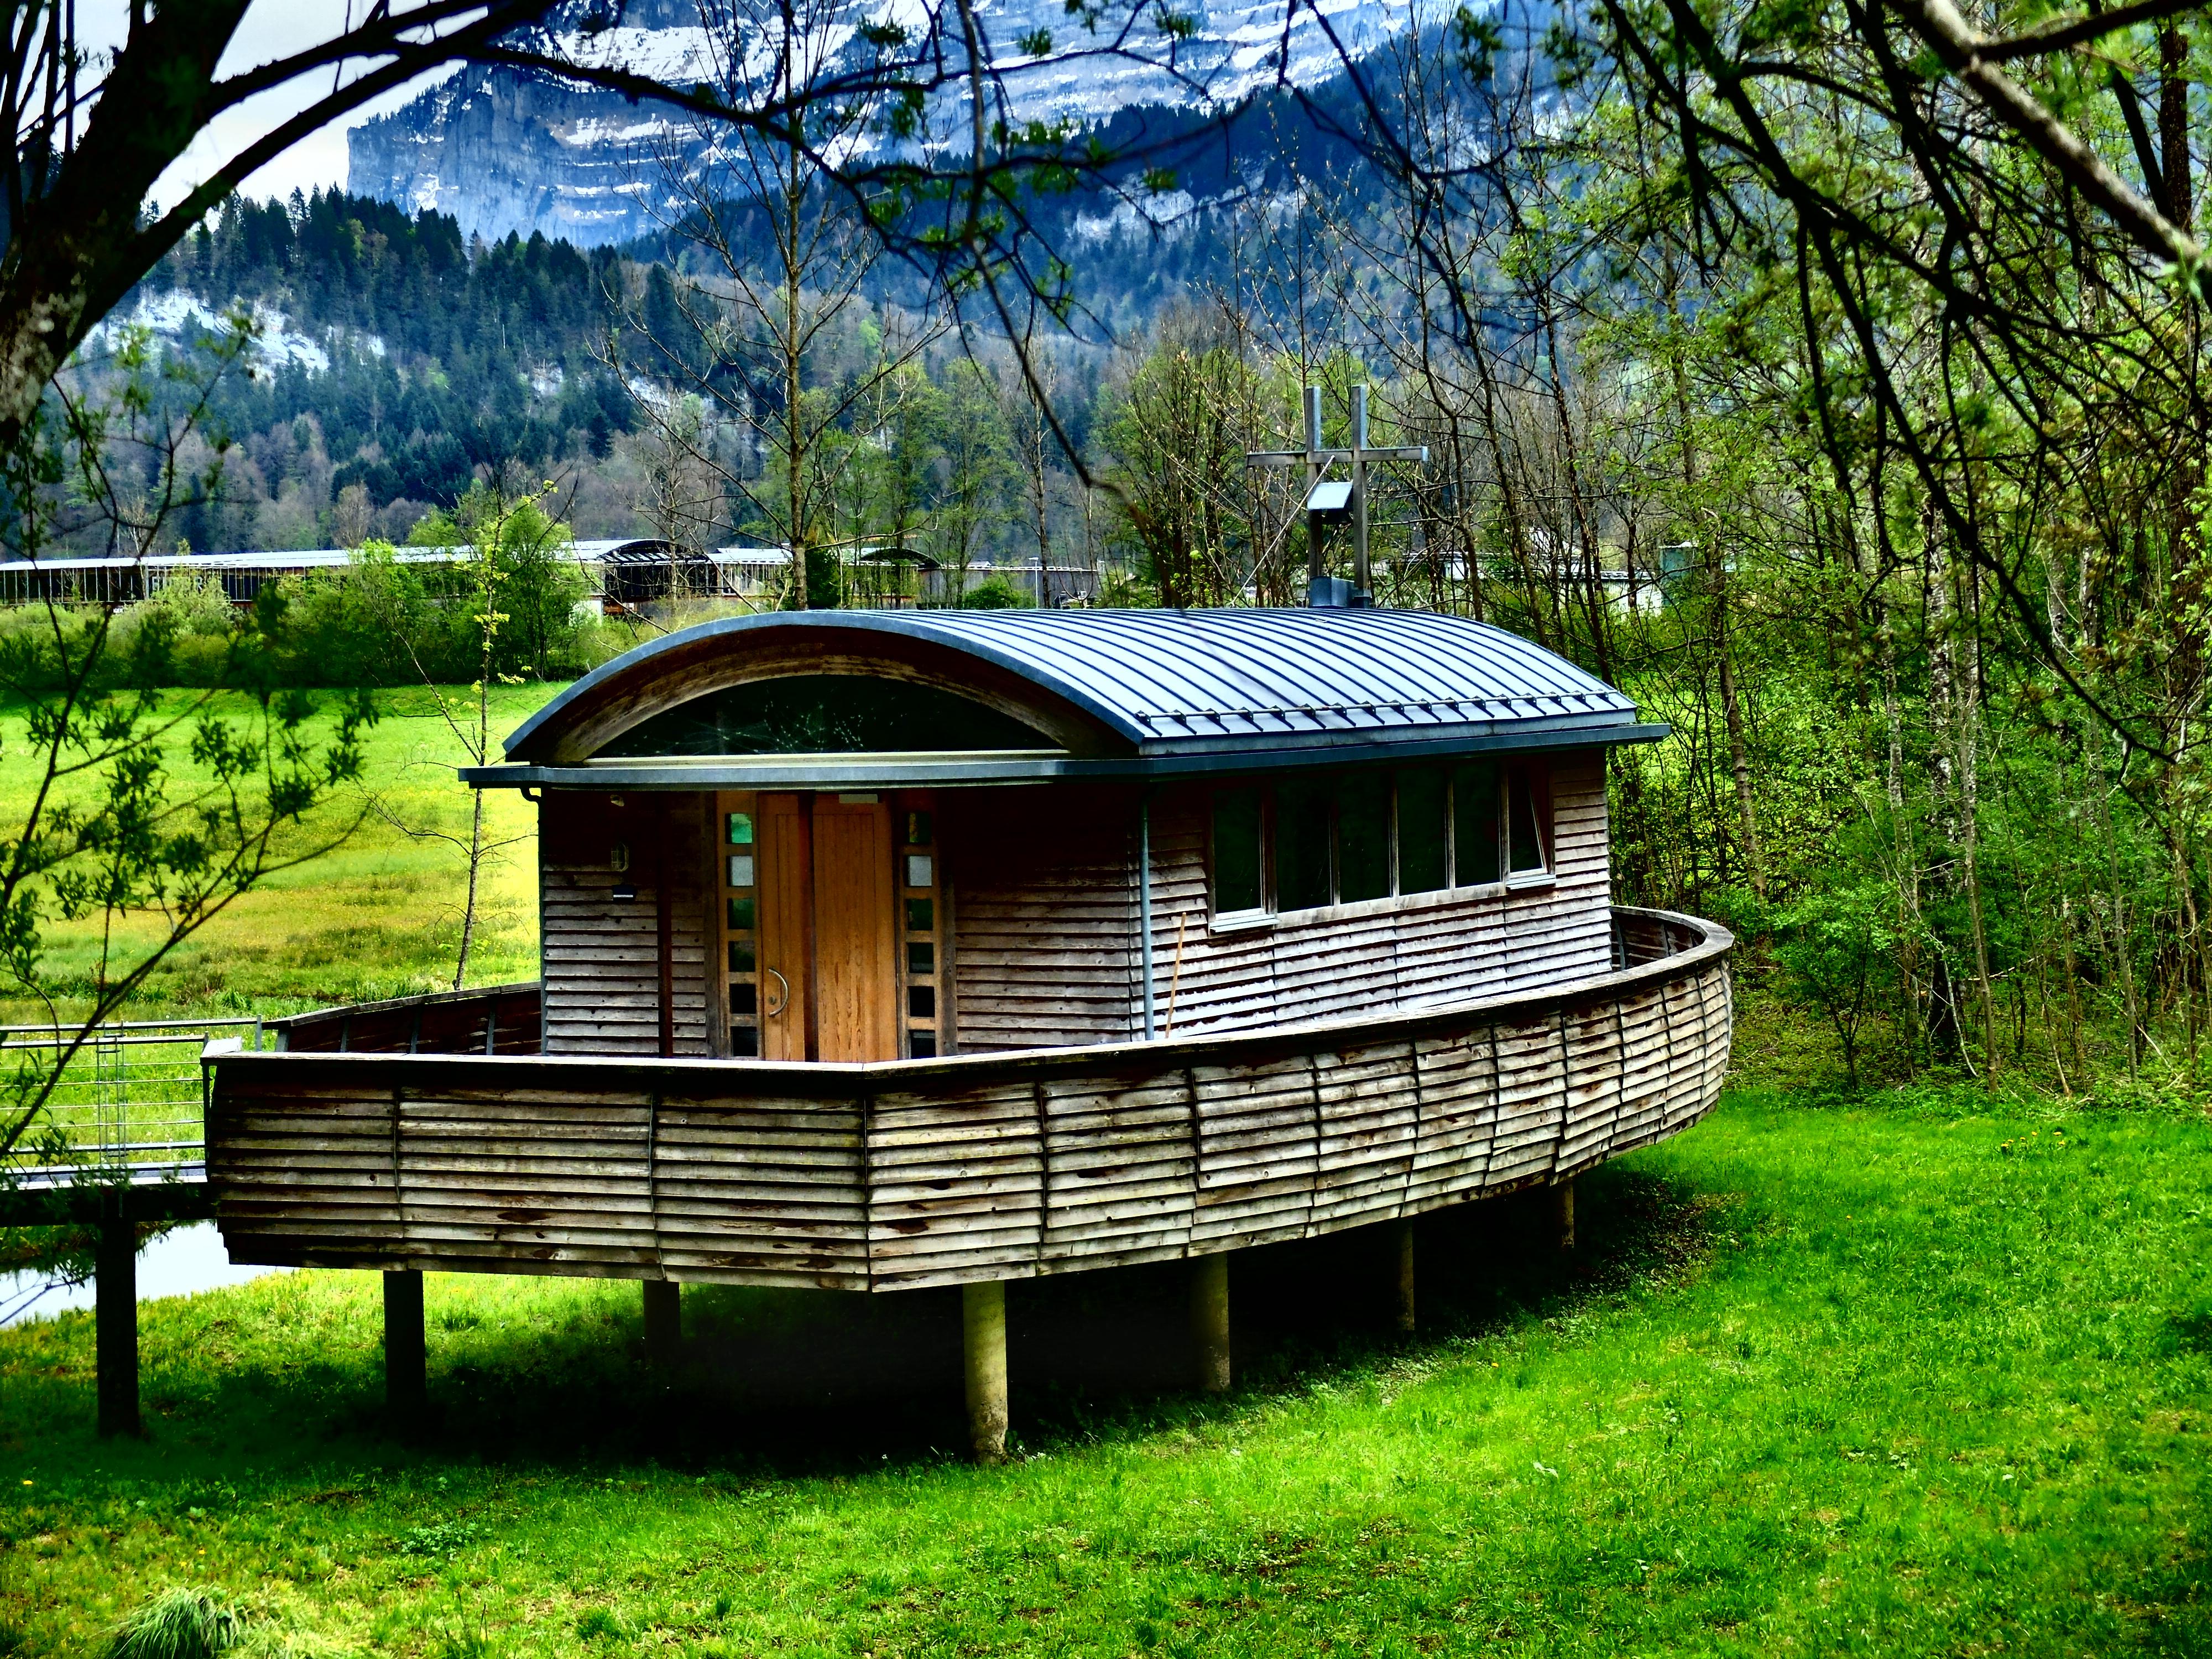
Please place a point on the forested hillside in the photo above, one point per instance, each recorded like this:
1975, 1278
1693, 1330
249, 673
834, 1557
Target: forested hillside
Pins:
401, 361
442, 359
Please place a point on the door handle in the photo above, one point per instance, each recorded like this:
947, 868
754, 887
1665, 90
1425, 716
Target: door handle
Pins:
784, 1001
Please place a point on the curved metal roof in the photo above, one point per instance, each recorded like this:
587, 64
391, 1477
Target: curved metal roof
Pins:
1256, 685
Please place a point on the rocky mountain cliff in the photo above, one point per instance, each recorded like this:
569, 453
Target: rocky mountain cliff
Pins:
506, 150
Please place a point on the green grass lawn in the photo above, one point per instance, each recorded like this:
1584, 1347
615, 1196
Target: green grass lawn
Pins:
1931, 1375
380, 916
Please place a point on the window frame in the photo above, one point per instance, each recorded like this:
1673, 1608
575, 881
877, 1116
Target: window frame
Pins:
1531, 776
1536, 778
1264, 852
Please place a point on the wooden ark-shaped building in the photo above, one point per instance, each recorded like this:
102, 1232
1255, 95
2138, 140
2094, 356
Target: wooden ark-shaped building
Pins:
887, 950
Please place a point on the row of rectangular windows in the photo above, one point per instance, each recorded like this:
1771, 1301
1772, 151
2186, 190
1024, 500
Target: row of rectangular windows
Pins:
1306, 843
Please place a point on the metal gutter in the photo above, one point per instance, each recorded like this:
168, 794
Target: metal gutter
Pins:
895, 772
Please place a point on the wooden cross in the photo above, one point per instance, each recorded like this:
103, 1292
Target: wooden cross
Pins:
1315, 460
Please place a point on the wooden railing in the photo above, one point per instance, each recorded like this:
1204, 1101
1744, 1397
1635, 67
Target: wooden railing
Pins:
981, 1167
495, 1019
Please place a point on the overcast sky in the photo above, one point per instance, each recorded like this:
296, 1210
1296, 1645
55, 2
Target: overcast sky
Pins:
272, 29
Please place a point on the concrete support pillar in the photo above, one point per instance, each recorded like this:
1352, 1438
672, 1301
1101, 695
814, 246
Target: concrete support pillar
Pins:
1401, 1256
663, 1322
1563, 1214
115, 1319
1209, 1320
983, 1356
406, 1355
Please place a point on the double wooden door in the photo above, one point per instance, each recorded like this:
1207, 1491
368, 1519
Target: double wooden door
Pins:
820, 901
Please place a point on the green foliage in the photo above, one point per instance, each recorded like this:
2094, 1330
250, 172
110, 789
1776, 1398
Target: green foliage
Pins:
462, 328
1180, 433
145, 818
179, 1623
1839, 945
393, 618
996, 594
439, 1538
378, 917
601, 1624
825, 578
1121, 590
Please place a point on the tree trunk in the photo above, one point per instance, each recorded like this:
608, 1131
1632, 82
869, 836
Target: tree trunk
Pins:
2175, 187
469, 910
1738, 759
78, 248
1907, 852
1944, 1034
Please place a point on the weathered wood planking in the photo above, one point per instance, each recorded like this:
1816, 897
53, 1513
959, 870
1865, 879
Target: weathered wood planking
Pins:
501, 1019
1050, 953
982, 1167
602, 955
1044, 942
1044, 915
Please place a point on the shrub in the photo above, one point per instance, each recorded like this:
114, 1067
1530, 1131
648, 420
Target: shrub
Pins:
597, 1624
1839, 946
179, 1623
1120, 589
994, 594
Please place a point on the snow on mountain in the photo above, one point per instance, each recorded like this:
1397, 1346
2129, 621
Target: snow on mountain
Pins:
177, 315
503, 151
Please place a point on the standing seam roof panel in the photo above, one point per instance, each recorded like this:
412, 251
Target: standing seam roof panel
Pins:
1166, 676
1338, 688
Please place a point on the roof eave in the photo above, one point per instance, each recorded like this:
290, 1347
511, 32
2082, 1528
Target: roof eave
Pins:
1443, 737
952, 771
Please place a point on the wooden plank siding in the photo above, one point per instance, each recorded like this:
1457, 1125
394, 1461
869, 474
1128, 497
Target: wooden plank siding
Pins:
492, 1019
602, 955
1045, 916
955, 1170
1042, 888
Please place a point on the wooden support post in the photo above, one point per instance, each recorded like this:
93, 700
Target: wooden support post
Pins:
1209, 1320
1563, 1214
983, 1353
115, 1318
663, 1322
1402, 1255
406, 1356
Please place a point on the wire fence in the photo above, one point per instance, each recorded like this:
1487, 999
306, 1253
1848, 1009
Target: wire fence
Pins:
130, 1101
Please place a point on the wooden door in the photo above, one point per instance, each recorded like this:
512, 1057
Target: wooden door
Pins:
856, 978
786, 1002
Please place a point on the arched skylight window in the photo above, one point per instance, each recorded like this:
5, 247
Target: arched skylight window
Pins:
826, 715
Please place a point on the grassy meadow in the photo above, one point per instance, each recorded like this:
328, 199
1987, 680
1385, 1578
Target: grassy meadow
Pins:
1930, 1374
380, 916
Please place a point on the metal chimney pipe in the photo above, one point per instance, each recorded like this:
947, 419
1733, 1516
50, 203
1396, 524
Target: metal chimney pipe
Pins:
1314, 568
1362, 586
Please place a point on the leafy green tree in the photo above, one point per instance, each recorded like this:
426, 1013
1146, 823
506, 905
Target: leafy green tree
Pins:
508, 551
540, 586
974, 471
1179, 435
1839, 946
149, 810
